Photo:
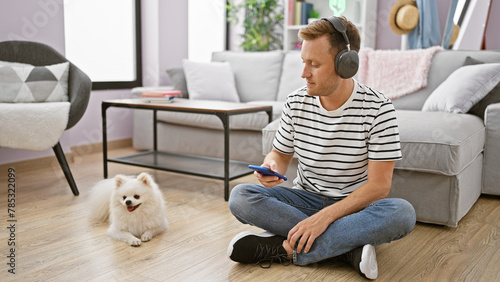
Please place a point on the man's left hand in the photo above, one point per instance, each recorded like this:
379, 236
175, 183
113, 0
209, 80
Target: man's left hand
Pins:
306, 231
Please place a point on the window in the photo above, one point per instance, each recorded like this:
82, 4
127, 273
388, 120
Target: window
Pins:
206, 28
103, 38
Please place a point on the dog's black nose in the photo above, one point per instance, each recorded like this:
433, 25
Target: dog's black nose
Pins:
128, 202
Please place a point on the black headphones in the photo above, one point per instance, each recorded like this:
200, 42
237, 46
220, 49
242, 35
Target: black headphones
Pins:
347, 60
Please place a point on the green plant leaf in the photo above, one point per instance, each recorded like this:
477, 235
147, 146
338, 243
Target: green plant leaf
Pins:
262, 24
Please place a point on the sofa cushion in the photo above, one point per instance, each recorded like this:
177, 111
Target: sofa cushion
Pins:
493, 97
257, 74
178, 80
291, 72
210, 81
22, 83
252, 121
438, 142
464, 88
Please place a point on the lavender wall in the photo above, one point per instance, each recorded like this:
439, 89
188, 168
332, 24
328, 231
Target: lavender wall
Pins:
173, 41
491, 33
165, 41
33, 20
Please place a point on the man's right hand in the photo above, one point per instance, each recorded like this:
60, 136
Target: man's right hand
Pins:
270, 180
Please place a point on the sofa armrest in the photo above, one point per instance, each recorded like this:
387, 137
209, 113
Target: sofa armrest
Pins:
268, 133
137, 91
491, 165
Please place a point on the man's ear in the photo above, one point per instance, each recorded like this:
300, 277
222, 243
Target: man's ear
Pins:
119, 180
146, 179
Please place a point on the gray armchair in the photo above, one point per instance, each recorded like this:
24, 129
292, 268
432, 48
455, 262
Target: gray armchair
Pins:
79, 86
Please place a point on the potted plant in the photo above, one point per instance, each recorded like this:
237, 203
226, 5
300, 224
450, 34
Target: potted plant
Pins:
262, 24
313, 16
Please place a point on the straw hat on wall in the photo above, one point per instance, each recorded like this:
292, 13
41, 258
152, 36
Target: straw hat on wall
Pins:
403, 17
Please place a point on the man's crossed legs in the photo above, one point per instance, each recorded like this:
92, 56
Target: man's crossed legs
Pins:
278, 209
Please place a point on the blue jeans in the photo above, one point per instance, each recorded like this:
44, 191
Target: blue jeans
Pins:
279, 209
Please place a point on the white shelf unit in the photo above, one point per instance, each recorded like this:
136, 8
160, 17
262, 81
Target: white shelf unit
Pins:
363, 13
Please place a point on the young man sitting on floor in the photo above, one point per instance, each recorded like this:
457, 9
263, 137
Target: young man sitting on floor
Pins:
346, 139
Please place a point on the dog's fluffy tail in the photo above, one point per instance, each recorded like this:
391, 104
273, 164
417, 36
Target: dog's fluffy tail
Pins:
99, 200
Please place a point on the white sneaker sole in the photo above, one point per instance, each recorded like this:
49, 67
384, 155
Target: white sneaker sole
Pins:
244, 234
368, 264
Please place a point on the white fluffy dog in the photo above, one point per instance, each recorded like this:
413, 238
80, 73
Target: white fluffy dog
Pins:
135, 207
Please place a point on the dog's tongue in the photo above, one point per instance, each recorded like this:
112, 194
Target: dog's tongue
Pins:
130, 208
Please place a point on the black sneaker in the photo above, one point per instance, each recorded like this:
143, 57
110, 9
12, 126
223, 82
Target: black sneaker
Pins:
364, 260
262, 249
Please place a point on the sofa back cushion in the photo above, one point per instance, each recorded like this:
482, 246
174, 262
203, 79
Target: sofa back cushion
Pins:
257, 74
290, 75
178, 79
443, 64
210, 81
464, 88
493, 96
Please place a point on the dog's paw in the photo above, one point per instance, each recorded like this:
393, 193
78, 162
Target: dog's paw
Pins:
146, 236
135, 242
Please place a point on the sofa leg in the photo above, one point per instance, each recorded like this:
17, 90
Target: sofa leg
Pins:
64, 165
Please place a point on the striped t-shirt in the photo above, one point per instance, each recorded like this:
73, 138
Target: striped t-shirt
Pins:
333, 147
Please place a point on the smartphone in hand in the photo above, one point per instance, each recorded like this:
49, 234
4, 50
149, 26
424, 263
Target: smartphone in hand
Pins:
266, 171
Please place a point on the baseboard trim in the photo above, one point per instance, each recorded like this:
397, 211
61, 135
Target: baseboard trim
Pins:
70, 157
97, 147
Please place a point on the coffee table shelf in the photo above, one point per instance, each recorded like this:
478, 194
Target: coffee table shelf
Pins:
183, 163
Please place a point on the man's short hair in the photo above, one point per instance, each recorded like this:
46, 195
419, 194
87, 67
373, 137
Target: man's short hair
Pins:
319, 28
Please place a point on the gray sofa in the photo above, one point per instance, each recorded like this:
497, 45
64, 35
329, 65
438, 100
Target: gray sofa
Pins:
448, 160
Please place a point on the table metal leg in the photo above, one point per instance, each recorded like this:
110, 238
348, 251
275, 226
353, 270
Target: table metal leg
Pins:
155, 130
226, 160
225, 122
104, 140
155, 135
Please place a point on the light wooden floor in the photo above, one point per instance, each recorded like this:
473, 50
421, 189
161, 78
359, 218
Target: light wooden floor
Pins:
55, 241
